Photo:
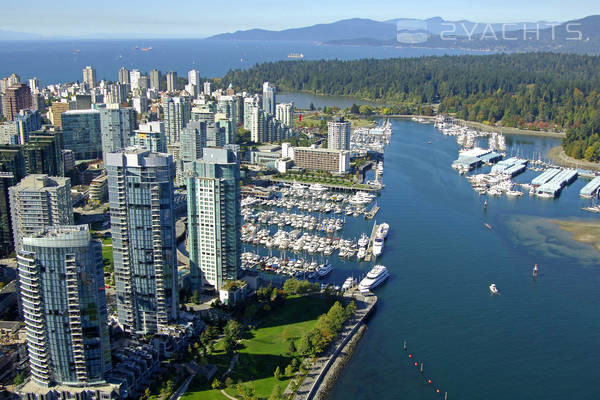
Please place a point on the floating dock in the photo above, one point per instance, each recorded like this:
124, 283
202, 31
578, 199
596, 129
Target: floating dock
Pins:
369, 254
371, 214
504, 165
560, 180
591, 189
545, 177
475, 158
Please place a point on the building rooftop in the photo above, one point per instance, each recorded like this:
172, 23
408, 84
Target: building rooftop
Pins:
31, 387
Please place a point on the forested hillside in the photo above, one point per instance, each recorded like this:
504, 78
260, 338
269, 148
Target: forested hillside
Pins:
534, 90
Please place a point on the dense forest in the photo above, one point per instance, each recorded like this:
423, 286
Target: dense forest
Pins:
539, 91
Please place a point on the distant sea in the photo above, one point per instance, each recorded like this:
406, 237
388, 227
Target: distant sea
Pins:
62, 61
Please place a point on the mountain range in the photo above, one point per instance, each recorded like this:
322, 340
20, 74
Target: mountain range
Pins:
576, 36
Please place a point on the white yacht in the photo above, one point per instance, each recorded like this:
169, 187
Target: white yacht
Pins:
362, 252
378, 247
363, 241
317, 187
376, 276
325, 270
348, 283
493, 288
383, 230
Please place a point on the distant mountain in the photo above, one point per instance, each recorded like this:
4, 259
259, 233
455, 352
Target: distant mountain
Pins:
12, 35
344, 29
577, 36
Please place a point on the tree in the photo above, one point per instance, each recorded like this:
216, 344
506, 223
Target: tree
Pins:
147, 393
216, 384
305, 345
312, 107
233, 330
19, 379
289, 370
276, 393
228, 346
292, 347
354, 109
196, 297
277, 373
229, 382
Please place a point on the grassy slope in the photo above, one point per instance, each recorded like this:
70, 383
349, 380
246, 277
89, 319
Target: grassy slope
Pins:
266, 348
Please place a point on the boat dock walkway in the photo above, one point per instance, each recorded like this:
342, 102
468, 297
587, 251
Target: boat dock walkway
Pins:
371, 214
371, 239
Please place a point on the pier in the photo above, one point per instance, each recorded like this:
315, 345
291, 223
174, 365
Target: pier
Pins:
371, 214
371, 239
591, 189
554, 186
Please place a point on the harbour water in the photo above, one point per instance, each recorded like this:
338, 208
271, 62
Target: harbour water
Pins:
54, 61
537, 339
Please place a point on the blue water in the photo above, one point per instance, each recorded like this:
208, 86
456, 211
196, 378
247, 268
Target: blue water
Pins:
54, 61
537, 339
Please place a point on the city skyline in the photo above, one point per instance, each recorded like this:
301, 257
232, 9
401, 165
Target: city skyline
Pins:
143, 20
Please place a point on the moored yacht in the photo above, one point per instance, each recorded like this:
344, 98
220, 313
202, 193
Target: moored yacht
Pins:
363, 241
383, 230
317, 187
378, 247
348, 283
325, 270
376, 276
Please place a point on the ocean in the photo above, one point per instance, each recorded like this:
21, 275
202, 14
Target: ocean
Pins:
62, 61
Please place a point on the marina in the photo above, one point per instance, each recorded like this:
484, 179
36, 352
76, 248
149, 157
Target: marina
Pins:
499, 180
443, 243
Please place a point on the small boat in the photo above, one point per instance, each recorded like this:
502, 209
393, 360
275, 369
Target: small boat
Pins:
325, 270
378, 247
487, 225
493, 289
535, 270
348, 283
383, 230
364, 240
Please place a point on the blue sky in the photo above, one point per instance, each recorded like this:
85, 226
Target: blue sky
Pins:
200, 18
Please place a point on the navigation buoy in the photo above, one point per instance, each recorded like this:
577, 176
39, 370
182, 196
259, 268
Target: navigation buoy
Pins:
437, 390
429, 381
416, 364
410, 356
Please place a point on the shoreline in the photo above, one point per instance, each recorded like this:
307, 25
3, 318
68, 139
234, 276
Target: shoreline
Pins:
558, 155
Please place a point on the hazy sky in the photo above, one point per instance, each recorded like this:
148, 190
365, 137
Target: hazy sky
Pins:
199, 18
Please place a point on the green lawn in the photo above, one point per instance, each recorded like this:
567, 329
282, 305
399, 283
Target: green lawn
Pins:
265, 348
107, 254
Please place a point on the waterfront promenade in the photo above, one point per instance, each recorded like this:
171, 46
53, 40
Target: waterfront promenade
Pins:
314, 378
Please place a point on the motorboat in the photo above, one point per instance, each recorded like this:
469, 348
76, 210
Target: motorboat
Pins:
378, 247
363, 241
325, 270
375, 277
317, 187
493, 289
383, 230
362, 252
348, 283
535, 270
